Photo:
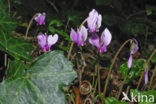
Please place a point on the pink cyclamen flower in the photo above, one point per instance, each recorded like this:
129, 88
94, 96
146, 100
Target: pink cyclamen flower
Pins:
146, 76
102, 44
134, 48
40, 18
46, 41
80, 36
94, 21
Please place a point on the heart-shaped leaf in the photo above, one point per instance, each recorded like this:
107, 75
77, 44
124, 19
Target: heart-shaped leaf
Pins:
41, 84
15, 47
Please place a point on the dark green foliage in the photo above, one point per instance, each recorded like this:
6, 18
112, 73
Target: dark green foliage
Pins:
112, 100
41, 83
18, 48
134, 72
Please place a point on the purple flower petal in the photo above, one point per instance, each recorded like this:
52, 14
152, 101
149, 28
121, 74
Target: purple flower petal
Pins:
130, 61
106, 37
135, 48
94, 40
40, 18
103, 48
99, 21
94, 21
73, 36
52, 39
42, 39
146, 77
82, 35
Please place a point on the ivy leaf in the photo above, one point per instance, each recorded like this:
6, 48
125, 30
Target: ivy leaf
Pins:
42, 83
134, 72
112, 100
18, 48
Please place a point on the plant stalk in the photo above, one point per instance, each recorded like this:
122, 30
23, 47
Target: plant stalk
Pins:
148, 61
110, 69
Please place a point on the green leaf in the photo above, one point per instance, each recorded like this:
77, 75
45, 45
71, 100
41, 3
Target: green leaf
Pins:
134, 72
18, 48
42, 83
6, 22
143, 100
56, 22
16, 69
112, 100
59, 32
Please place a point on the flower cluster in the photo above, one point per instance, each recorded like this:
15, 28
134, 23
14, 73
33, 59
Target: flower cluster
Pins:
45, 41
94, 23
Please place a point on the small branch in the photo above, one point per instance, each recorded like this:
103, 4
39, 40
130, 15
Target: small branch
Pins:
69, 52
99, 84
29, 25
141, 77
83, 23
8, 6
154, 72
53, 5
120, 90
110, 69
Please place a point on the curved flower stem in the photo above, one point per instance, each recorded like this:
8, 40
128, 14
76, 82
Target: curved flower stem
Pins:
154, 72
71, 46
123, 82
99, 82
29, 25
148, 61
83, 23
69, 52
110, 69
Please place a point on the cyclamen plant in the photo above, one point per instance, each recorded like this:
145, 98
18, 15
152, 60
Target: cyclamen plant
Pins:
133, 49
46, 41
94, 21
102, 43
40, 18
80, 36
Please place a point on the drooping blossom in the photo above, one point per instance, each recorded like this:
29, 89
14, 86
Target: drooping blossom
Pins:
133, 49
80, 36
102, 43
146, 76
40, 18
94, 21
46, 41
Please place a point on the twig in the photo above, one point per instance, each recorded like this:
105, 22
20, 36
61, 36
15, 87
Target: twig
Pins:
141, 77
8, 6
69, 52
29, 25
53, 5
154, 72
66, 25
99, 84
118, 95
83, 23
110, 69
